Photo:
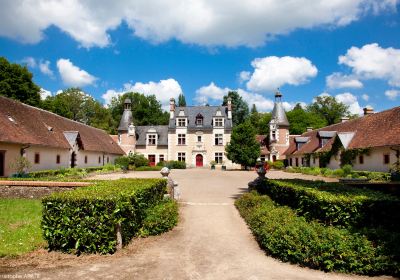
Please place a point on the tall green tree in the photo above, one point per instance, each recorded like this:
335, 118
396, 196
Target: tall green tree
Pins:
181, 100
77, 105
329, 109
16, 83
243, 147
146, 110
300, 119
240, 108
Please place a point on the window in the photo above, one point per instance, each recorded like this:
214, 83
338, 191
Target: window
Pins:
198, 138
99, 159
58, 159
161, 158
182, 122
361, 159
297, 161
323, 142
302, 161
182, 157
273, 135
386, 159
108, 159
151, 139
313, 160
85, 159
181, 139
262, 158
299, 145
219, 140
37, 158
218, 158
219, 122
199, 120
119, 138
290, 162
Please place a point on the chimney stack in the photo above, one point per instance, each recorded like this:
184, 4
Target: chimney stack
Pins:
309, 129
171, 108
344, 119
229, 108
368, 110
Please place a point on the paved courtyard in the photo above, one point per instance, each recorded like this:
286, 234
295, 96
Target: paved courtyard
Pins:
211, 241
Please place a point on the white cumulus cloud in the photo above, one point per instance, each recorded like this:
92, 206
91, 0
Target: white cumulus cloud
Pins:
163, 90
392, 94
351, 101
203, 22
374, 62
44, 67
338, 80
210, 93
365, 97
272, 72
72, 75
44, 93
29, 61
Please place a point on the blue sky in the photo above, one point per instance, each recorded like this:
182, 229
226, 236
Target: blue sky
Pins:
348, 50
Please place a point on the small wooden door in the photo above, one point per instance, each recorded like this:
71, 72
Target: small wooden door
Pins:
2, 163
199, 160
73, 159
274, 158
152, 160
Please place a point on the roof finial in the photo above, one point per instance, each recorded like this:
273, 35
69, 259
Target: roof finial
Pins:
278, 95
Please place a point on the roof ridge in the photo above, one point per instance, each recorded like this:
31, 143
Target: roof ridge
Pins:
45, 111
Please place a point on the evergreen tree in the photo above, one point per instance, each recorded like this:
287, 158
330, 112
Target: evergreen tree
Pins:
243, 147
240, 108
181, 100
16, 82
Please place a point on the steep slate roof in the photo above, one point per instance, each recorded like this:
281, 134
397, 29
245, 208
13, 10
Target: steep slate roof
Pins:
126, 120
375, 130
162, 132
278, 113
24, 124
208, 112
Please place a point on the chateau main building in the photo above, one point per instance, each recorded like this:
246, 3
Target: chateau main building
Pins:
196, 135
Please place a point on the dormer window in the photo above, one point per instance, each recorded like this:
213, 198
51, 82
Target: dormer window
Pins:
273, 135
323, 141
299, 145
151, 139
199, 120
219, 122
300, 141
181, 122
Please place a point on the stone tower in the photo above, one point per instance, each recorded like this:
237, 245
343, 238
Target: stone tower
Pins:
126, 129
278, 130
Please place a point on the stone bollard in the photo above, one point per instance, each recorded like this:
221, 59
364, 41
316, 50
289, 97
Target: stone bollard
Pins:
171, 185
261, 177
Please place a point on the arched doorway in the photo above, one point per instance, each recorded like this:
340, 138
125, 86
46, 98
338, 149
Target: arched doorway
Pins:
199, 160
273, 158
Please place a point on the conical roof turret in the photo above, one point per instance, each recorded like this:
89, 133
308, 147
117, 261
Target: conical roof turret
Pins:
126, 119
278, 113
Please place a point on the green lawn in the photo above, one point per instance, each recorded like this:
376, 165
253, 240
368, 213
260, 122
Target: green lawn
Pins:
20, 230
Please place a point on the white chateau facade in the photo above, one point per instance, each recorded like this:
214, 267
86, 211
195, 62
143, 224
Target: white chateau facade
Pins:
196, 135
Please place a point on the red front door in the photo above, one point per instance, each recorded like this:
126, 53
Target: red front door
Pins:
199, 161
152, 160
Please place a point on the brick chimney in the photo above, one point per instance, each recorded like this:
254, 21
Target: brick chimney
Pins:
368, 110
229, 108
171, 108
309, 129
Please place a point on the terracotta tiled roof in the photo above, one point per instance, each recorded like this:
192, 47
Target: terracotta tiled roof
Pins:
24, 124
375, 130
263, 140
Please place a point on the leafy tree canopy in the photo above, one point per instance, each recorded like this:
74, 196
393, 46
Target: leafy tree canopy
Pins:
146, 110
329, 109
16, 82
240, 108
181, 100
300, 119
243, 147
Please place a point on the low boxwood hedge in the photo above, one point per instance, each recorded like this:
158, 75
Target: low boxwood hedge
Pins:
148, 168
334, 203
293, 239
85, 220
160, 218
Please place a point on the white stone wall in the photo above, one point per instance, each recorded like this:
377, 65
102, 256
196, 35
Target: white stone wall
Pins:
153, 150
48, 158
11, 152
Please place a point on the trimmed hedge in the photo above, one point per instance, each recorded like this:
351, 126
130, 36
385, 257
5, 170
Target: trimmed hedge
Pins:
175, 164
334, 203
290, 238
160, 218
148, 168
85, 220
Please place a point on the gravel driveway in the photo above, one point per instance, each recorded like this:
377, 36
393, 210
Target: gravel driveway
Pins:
211, 241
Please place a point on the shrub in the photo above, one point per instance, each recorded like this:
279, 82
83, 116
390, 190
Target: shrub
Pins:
85, 220
347, 170
278, 164
123, 162
174, 164
290, 238
336, 204
338, 173
160, 218
138, 160
374, 176
148, 168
